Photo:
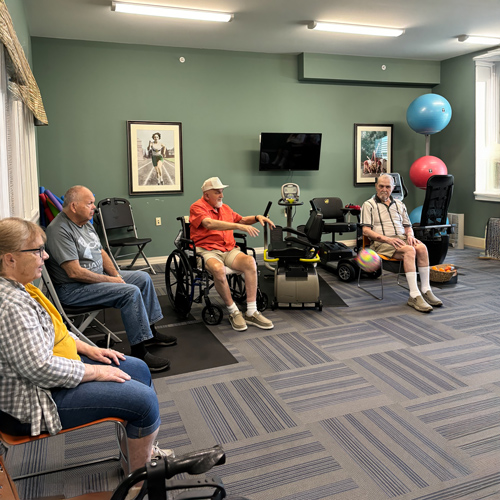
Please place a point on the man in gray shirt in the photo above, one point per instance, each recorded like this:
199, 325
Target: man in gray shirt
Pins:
84, 275
386, 223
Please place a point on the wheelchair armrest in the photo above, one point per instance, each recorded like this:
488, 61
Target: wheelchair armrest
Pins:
240, 235
306, 244
294, 231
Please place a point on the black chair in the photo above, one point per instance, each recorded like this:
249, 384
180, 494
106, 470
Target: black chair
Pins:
116, 214
434, 229
77, 318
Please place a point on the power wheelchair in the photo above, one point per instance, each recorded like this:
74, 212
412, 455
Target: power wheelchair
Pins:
187, 280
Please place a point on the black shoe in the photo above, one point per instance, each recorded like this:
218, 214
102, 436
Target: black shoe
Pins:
155, 363
160, 338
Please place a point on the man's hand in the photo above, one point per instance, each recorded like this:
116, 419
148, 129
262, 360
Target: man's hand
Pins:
252, 231
263, 220
412, 241
396, 242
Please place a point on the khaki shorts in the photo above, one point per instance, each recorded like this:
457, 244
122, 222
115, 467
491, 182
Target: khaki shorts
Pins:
227, 258
386, 249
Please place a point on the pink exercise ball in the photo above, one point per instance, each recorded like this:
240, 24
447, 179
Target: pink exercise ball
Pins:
426, 167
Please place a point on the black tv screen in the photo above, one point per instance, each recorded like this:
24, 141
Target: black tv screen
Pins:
279, 151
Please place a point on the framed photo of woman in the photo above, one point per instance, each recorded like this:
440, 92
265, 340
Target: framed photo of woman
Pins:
154, 157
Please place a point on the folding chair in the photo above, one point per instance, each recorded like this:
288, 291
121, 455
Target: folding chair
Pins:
86, 314
366, 243
116, 214
8, 440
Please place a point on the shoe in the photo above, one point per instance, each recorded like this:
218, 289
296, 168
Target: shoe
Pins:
257, 319
237, 321
419, 304
431, 299
158, 453
160, 338
155, 363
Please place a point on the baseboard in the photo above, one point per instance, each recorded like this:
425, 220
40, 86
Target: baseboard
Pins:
470, 241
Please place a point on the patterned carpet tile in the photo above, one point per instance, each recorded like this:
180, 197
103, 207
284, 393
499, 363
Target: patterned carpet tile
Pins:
325, 390
413, 330
404, 374
278, 352
474, 359
477, 320
394, 453
353, 340
239, 409
485, 487
172, 433
290, 464
469, 419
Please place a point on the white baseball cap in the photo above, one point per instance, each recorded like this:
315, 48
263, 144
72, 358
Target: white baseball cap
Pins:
213, 183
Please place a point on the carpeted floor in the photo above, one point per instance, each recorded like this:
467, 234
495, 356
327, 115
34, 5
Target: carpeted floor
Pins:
372, 401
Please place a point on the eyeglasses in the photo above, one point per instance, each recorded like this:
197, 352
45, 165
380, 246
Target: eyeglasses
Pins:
39, 250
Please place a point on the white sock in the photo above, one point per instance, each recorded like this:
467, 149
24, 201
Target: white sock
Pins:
251, 308
232, 308
424, 278
411, 278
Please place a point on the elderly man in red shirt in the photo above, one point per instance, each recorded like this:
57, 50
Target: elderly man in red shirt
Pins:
212, 225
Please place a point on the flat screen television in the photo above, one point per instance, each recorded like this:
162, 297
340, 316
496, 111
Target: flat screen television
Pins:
279, 151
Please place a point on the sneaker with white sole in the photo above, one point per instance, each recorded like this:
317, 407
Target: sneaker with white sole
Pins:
238, 321
159, 453
419, 304
257, 319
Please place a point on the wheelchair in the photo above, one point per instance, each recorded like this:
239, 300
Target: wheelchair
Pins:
157, 476
187, 281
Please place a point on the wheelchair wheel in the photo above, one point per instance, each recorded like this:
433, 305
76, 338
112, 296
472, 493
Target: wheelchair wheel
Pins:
262, 300
179, 282
212, 315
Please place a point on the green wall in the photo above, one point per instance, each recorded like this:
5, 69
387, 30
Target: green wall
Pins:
18, 15
455, 145
224, 100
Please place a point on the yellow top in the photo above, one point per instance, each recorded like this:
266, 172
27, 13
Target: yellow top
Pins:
64, 343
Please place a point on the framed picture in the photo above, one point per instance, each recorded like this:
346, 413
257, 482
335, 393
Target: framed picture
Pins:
154, 157
372, 152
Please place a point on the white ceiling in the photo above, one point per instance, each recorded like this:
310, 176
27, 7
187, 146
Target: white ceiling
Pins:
279, 26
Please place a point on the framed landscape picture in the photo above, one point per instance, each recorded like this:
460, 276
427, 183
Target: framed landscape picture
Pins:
372, 152
154, 157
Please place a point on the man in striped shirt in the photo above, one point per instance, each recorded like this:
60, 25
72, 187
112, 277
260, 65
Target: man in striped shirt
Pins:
386, 223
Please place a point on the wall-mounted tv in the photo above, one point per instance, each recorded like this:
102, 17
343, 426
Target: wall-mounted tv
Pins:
279, 151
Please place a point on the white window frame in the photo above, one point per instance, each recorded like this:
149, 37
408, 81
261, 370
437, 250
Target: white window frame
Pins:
18, 167
487, 126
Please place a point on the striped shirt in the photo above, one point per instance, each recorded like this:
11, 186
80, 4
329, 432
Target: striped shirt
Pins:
389, 220
28, 368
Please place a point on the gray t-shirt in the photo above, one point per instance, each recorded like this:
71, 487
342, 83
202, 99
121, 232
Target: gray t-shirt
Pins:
66, 241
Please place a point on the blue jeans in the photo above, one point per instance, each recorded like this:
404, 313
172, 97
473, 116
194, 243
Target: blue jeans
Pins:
136, 299
134, 400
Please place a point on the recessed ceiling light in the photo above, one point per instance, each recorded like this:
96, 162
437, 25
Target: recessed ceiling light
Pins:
480, 40
355, 29
164, 11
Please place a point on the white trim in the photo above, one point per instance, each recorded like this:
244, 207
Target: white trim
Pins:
486, 196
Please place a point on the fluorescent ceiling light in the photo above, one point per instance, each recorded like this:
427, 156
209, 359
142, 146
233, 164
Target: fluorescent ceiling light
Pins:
480, 40
163, 11
355, 29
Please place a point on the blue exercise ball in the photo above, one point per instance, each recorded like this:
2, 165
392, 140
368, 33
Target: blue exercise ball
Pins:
416, 216
428, 114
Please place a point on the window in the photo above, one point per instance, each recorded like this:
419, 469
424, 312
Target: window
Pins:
488, 126
18, 169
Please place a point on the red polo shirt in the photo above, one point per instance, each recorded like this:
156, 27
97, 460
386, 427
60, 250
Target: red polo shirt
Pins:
211, 239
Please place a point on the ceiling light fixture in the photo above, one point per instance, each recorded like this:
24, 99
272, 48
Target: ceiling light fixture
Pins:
355, 29
480, 40
163, 11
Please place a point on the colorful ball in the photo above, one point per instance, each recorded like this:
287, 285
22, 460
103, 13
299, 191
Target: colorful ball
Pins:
368, 260
426, 167
428, 114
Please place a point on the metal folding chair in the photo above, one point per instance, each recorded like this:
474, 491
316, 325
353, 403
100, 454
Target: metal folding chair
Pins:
116, 214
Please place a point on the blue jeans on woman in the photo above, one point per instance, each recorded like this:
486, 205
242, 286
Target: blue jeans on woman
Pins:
134, 400
136, 299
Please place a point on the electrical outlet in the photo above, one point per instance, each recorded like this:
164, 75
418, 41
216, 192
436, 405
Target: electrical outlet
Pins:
158, 221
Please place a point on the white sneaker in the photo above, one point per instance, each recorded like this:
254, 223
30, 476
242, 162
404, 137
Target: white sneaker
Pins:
159, 453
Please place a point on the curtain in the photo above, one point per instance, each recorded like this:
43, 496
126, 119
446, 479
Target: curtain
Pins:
22, 83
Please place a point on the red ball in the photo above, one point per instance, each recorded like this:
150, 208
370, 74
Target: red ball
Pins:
426, 167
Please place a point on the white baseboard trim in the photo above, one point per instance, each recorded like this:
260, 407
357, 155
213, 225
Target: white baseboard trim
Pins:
470, 241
